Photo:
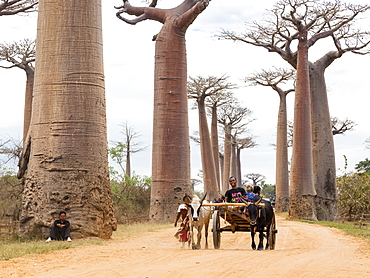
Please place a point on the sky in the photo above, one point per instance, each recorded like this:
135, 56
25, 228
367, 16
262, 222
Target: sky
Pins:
129, 71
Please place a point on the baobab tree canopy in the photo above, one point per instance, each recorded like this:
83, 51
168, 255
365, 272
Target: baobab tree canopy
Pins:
171, 146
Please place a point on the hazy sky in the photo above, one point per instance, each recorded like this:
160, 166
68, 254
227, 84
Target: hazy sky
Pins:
129, 66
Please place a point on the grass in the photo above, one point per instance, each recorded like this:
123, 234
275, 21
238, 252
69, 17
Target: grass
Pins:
347, 227
14, 248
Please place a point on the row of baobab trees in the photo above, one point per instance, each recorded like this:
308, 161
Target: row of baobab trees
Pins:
64, 162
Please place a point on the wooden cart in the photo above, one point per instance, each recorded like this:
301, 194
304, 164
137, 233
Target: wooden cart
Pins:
236, 221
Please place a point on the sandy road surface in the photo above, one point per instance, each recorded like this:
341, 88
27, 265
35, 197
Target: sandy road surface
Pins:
302, 250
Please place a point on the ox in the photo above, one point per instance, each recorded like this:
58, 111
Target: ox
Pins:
199, 216
261, 214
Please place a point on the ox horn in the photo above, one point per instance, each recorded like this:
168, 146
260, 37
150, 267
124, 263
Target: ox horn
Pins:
201, 201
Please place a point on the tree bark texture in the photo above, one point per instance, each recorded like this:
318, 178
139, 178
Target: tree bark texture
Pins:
302, 191
233, 165
282, 167
171, 146
30, 73
239, 167
68, 162
323, 146
208, 164
215, 147
227, 159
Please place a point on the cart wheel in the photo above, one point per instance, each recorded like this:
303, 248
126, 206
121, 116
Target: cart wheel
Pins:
272, 235
216, 230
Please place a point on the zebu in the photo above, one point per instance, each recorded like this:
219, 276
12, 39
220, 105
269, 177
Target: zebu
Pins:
199, 216
261, 216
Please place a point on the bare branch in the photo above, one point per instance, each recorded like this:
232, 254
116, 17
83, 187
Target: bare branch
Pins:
341, 126
11, 7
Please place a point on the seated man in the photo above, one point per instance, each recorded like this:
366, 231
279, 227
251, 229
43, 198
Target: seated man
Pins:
60, 229
232, 195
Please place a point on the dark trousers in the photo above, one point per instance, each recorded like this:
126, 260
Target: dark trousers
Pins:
58, 233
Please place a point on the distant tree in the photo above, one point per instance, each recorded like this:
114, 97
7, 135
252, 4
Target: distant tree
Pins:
117, 154
230, 116
12, 149
171, 146
11, 7
241, 144
130, 135
275, 78
367, 143
255, 178
200, 88
279, 34
354, 195
10, 194
268, 191
363, 166
22, 55
341, 126
213, 103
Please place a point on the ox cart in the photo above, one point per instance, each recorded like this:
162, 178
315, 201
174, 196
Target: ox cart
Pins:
237, 221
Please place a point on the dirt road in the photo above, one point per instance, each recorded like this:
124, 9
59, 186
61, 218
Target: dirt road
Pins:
302, 250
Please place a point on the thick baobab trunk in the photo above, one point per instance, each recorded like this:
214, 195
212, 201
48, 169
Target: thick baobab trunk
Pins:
208, 165
323, 146
215, 148
171, 146
227, 159
68, 161
30, 73
302, 191
282, 171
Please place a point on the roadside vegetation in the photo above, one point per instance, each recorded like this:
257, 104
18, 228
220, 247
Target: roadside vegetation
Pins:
14, 247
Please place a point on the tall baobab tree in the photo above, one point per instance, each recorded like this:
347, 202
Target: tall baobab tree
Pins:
230, 116
11, 7
274, 79
213, 102
324, 20
22, 55
171, 146
65, 161
302, 189
201, 89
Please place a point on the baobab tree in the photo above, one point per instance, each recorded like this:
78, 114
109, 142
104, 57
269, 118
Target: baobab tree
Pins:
241, 144
64, 165
274, 79
324, 20
214, 101
130, 135
255, 177
201, 89
171, 146
11, 7
22, 55
341, 126
230, 116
